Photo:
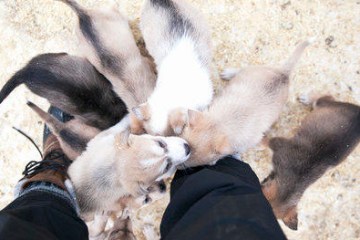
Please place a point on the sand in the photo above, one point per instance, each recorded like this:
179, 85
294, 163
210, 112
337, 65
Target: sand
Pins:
243, 33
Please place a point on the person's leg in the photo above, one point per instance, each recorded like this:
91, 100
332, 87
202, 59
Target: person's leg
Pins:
223, 201
45, 206
44, 211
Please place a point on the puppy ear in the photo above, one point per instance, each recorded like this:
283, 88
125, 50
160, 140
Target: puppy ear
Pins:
223, 146
122, 139
291, 218
193, 117
142, 112
178, 119
276, 143
269, 188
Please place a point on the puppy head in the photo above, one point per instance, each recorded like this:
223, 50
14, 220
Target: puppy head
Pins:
283, 209
153, 122
145, 159
207, 140
122, 229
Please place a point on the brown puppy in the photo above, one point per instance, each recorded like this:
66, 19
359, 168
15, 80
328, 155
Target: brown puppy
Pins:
72, 135
73, 85
325, 138
106, 40
239, 116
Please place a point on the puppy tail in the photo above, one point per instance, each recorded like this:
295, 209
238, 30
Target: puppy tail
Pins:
13, 82
74, 6
294, 58
54, 124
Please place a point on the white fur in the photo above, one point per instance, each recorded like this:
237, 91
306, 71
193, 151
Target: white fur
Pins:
150, 232
183, 81
150, 162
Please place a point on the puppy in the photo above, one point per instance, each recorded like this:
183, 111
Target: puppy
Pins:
178, 39
73, 85
117, 164
106, 40
239, 116
73, 135
126, 206
325, 138
122, 230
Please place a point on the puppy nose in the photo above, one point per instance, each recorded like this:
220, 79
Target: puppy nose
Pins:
162, 186
187, 149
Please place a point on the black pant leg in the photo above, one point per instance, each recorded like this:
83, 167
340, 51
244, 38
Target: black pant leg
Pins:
40, 215
223, 201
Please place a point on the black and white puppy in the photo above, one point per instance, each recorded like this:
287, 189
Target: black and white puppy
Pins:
72, 84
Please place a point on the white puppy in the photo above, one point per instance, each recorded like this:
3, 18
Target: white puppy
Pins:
178, 39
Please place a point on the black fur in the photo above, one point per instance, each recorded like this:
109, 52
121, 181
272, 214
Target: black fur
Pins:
108, 60
74, 140
178, 24
73, 85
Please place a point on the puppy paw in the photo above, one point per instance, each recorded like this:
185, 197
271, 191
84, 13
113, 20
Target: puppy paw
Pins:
306, 98
229, 73
212, 163
237, 156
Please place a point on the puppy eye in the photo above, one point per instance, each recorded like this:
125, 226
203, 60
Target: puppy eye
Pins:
147, 199
162, 144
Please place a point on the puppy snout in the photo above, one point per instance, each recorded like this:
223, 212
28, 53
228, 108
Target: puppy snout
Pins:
187, 149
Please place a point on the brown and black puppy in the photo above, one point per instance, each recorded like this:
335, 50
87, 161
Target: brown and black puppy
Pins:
72, 84
326, 137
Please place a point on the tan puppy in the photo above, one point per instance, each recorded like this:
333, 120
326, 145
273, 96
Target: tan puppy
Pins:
117, 164
239, 116
106, 40
122, 230
325, 138
178, 39
127, 206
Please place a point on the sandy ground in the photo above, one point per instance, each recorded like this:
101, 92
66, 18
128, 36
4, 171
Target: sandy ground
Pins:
244, 33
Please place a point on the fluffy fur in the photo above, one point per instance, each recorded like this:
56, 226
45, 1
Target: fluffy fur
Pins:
178, 39
239, 116
325, 138
106, 40
73, 85
122, 226
117, 164
122, 229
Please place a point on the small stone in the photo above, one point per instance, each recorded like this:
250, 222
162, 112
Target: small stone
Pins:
285, 5
329, 41
287, 26
339, 197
